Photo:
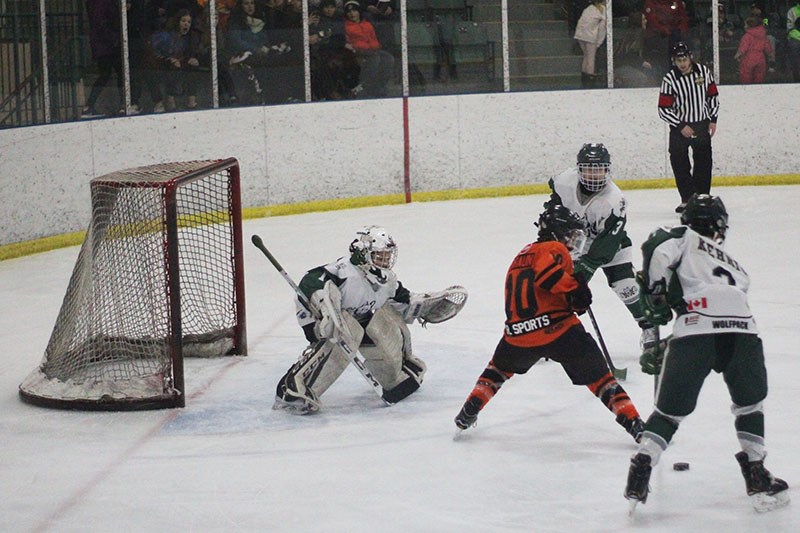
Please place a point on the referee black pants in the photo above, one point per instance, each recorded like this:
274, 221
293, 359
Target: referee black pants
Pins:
687, 179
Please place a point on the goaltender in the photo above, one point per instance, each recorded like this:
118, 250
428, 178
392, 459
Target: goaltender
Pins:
358, 304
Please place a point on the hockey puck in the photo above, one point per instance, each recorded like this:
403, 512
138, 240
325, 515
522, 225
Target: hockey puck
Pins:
680, 467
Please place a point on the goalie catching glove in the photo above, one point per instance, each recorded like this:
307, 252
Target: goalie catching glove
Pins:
653, 301
436, 307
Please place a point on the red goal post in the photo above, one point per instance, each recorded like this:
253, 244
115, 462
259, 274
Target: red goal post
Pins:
159, 277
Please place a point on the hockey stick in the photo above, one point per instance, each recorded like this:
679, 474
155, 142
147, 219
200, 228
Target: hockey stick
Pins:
657, 377
343, 339
619, 373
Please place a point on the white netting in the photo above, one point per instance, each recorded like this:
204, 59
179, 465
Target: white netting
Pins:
115, 335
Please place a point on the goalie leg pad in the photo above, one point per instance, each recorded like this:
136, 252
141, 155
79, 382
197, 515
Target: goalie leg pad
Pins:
314, 372
391, 360
328, 372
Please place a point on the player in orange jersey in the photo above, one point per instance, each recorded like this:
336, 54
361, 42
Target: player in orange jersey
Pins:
542, 299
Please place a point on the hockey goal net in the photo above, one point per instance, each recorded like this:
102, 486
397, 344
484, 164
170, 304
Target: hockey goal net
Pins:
159, 277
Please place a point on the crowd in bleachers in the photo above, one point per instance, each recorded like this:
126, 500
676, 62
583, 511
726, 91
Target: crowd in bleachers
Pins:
645, 30
354, 47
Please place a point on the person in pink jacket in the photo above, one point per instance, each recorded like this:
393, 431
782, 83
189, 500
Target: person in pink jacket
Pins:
754, 48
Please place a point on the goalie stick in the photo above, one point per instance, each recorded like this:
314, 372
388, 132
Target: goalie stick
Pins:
342, 340
619, 373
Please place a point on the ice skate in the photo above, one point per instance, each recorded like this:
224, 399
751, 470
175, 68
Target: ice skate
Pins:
468, 415
289, 398
765, 490
638, 480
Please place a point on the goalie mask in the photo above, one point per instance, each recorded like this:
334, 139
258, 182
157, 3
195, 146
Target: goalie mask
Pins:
594, 164
558, 223
706, 215
374, 250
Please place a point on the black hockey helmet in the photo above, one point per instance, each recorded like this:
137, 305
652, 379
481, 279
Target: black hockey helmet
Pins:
706, 215
680, 49
594, 162
559, 223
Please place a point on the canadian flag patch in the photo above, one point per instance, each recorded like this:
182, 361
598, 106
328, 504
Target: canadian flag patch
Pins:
697, 303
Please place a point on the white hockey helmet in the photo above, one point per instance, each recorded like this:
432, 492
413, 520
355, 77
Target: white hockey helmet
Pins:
373, 247
594, 164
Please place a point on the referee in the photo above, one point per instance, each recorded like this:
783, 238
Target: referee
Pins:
688, 103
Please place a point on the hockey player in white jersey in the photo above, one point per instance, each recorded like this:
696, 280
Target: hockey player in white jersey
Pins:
686, 270
358, 297
587, 189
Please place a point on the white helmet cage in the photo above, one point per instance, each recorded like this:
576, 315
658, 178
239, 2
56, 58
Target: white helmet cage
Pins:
374, 247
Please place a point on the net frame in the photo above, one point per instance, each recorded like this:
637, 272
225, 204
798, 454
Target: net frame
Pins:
124, 365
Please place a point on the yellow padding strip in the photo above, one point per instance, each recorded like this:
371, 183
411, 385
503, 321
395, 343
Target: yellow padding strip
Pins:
19, 249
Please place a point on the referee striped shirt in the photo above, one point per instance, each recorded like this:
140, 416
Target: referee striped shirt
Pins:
688, 98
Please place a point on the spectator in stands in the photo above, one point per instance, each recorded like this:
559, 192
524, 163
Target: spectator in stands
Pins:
334, 68
284, 25
758, 11
105, 42
248, 44
631, 67
223, 8
383, 15
667, 24
793, 52
227, 92
177, 52
590, 34
377, 65
753, 51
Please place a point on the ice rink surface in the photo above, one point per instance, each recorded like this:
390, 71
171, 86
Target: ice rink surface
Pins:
545, 456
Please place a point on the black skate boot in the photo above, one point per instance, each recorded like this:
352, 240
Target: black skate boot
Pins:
468, 415
634, 426
638, 478
293, 397
765, 490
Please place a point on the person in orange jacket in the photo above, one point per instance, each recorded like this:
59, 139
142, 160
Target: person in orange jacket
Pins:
377, 65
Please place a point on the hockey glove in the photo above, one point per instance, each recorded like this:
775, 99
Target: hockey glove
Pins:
585, 268
580, 298
652, 358
653, 301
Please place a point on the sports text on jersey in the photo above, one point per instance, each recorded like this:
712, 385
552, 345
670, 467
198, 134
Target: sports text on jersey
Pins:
730, 324
718, 254
526, 326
